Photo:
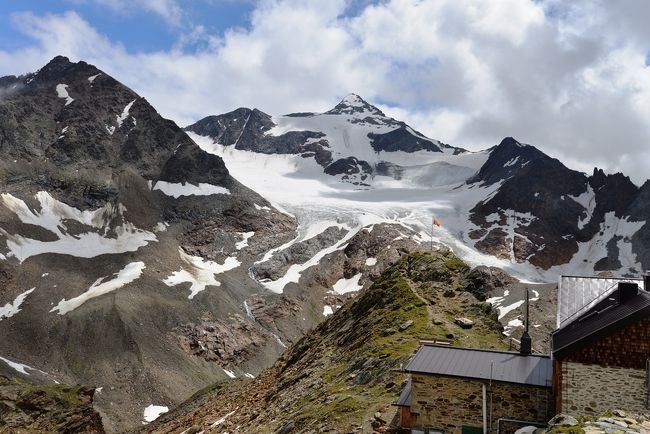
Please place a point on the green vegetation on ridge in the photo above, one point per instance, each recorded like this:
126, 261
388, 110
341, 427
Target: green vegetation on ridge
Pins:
339, 375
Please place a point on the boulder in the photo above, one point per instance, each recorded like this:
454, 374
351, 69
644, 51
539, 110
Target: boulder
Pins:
464, 323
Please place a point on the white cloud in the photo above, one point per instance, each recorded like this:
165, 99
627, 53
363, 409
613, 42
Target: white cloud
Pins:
568, 77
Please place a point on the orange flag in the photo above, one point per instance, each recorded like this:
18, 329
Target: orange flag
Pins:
436, 221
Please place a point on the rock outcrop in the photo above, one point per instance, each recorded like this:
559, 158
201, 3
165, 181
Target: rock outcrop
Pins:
33, 408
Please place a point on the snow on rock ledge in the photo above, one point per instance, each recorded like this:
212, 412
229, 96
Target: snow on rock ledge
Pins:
177, 190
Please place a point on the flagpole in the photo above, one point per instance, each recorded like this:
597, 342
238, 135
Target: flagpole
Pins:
431, 246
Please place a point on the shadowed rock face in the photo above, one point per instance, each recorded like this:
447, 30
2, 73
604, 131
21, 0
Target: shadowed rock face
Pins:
88, 143
401, 139
26, 407
246, 129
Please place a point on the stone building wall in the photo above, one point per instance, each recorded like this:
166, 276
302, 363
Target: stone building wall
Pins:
448, 403
592, 389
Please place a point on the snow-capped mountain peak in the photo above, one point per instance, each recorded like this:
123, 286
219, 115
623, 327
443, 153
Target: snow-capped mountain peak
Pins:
354, 105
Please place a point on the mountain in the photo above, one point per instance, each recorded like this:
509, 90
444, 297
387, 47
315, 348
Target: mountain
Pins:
346, 140
132, 261
105, 206
555, 218
510, 206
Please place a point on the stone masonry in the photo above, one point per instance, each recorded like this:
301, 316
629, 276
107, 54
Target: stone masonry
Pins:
448, 403
592, 389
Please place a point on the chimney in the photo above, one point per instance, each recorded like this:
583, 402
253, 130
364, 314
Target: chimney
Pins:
526, 346
626, 291
646, 281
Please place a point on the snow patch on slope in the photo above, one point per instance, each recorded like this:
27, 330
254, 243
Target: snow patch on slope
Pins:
295, 271
128, 274
19, 367
244, 241
125, 113
343, 285
11, 309
588, 202
590, 252
153, 412
62, 92
199, 272
53, 217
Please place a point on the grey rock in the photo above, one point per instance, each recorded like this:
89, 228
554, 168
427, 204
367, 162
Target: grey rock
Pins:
463, 322
563, 420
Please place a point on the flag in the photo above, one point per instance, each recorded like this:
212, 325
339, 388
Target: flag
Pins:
436, 221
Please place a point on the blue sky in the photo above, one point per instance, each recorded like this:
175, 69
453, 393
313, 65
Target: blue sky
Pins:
571, 78
138, 29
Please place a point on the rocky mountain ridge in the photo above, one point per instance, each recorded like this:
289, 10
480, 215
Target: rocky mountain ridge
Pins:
510, 202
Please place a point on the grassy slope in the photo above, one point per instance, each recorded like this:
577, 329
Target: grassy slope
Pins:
337, 376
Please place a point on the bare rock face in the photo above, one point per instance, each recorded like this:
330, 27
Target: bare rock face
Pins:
26, 407
298, 253
226, 342
483, 281
267, 311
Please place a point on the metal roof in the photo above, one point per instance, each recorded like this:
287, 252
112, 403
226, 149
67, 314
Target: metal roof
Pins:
404, 399
577, 295
602, 320
500, 366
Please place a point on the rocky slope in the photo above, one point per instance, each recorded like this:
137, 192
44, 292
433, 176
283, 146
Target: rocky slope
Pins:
343, 375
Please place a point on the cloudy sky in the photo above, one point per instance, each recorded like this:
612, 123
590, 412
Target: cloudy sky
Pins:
571, 78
